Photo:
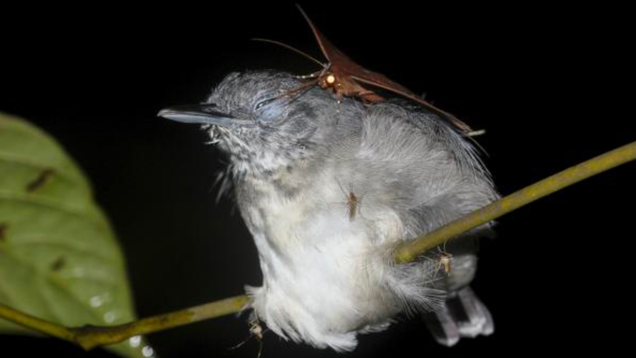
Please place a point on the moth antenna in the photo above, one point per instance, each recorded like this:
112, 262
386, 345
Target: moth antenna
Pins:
298, 91
291, 48
317, 33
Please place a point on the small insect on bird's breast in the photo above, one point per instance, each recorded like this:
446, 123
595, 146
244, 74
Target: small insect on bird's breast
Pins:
353, 205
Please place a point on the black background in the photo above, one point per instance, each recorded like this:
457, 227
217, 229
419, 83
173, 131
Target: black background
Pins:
552, 87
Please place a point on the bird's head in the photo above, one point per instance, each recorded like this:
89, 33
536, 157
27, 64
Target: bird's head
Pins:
264, 120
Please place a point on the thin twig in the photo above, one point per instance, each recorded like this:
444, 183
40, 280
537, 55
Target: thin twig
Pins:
89, 337
36, 324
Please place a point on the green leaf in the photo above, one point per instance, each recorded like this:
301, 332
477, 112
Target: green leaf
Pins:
59, 259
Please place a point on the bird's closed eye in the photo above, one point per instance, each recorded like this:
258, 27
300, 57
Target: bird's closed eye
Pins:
264, 102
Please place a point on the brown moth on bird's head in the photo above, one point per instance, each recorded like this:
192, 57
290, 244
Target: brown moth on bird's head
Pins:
344, 77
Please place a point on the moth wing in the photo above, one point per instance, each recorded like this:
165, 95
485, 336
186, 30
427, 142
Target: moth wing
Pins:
383, 82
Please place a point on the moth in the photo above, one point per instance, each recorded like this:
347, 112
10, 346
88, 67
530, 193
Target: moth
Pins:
344, 77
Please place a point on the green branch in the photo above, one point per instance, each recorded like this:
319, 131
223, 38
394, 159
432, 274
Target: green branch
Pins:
89, 337
409, 250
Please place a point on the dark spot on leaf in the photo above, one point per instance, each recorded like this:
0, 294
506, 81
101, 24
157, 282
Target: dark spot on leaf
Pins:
3, 231
42, 178
58, 264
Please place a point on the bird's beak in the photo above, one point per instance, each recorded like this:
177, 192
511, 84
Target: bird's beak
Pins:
204, 113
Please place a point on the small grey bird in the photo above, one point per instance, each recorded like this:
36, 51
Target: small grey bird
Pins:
328, 188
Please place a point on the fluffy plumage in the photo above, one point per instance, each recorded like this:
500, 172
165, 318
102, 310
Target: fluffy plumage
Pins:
328, 277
